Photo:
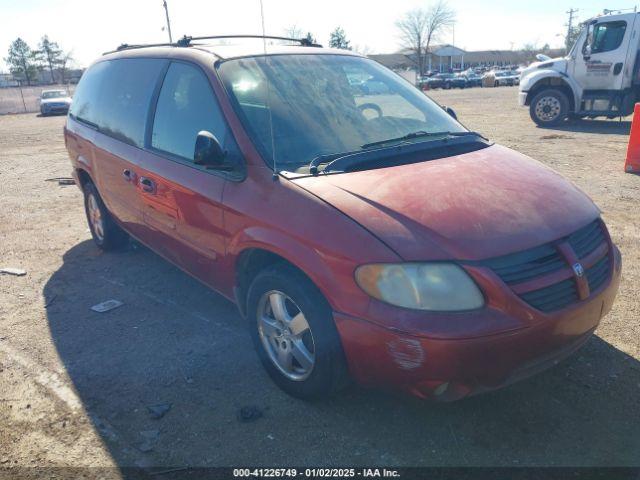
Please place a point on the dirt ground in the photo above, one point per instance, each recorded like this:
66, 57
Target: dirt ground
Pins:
75, 385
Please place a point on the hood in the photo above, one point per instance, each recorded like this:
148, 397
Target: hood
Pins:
483, 204
56, 100
558, 64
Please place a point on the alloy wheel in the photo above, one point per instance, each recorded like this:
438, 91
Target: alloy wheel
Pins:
286, 335
95, 216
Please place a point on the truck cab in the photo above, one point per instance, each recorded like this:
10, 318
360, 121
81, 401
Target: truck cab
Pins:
598, 77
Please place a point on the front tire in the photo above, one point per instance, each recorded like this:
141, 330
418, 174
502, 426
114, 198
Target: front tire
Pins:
106, 234
294, 334
549, 108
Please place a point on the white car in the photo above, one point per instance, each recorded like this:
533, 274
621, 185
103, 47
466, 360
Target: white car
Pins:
54, 101
504, 77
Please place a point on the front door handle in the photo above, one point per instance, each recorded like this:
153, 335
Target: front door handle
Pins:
617, 68
147, 185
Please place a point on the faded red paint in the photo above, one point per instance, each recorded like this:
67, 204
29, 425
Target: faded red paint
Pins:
470, 207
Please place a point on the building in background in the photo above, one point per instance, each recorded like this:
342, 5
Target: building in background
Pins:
7, 80
449, 58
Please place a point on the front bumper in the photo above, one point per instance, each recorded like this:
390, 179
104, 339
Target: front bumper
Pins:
522, 98
450, 369
57, 109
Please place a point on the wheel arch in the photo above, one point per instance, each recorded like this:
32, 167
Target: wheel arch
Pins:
555, 82
83, 177
255, 257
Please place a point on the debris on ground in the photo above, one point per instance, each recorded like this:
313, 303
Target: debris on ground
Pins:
250, 413
62, 180
18, 272
555, 136
158, 411
106, 306
151, 438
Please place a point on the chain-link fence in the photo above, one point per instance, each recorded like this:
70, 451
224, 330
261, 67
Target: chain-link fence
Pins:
26, 99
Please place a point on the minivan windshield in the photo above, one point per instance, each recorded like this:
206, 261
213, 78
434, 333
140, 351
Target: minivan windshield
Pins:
299, 107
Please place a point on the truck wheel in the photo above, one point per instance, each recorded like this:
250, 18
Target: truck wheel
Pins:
294, 334
549, 107
106, 234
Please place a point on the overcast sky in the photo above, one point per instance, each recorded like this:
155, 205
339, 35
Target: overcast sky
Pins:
90, 27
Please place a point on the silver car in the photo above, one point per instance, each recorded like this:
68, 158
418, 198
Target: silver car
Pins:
54, 101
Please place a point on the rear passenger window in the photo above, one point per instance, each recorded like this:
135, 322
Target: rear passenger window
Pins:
114, 95
84, 106
186, 106
127, 87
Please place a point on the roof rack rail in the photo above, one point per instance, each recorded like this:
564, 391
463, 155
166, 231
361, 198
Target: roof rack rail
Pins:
305, 42
185, 41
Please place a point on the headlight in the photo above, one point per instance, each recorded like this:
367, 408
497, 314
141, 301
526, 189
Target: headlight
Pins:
442, 287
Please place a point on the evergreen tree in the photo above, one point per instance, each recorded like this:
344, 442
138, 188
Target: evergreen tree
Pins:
22, 60
338, 39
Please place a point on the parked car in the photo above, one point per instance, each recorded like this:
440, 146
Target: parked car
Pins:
440, 80
513, 78
505, 78
458, 81
371, 238
54, 102
472, 79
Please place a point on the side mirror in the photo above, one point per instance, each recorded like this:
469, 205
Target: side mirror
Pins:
450, 111
209, 152
587, 52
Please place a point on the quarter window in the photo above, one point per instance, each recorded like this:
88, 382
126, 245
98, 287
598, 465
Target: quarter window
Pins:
186, 106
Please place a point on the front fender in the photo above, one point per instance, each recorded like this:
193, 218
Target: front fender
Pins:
331, 272
550, 77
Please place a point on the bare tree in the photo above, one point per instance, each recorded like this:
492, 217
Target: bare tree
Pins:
64, 64
49, 55
364, 50
293, 32
419, 27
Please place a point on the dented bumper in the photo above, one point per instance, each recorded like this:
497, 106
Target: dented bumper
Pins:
450, 369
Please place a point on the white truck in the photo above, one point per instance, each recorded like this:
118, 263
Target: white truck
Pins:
599, 77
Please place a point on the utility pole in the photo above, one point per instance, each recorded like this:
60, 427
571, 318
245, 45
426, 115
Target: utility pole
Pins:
571, 12
166, 11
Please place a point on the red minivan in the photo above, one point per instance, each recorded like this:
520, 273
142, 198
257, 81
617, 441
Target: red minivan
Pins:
364, 233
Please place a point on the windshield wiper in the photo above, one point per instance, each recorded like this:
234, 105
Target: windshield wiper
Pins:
326, 158
366, 150
419, 134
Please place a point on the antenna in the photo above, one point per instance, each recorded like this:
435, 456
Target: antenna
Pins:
273, 143
166, 12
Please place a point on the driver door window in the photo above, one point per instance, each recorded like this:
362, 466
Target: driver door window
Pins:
604, 37
186, 106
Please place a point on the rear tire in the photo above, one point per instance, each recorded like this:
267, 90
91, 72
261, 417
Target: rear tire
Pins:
276, 300
549, 108
106, 233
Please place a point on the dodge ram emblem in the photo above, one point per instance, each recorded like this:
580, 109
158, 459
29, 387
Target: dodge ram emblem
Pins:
578, 269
